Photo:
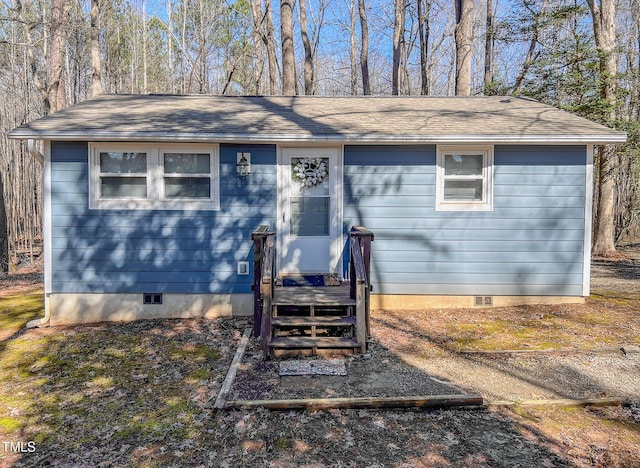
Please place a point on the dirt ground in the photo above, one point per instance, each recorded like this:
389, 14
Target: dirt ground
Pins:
408, 355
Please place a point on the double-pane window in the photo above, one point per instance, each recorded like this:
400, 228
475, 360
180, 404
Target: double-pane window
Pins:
123, 174
187, 175
464, 179
139, 176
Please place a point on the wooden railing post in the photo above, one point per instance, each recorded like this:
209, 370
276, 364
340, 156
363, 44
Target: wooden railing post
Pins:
263, 252
360, 278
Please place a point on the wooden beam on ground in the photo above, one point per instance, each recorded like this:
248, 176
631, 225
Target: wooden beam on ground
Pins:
564, 402
315, 404
231, 374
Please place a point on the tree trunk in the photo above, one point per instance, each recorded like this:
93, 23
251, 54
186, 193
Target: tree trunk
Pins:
488, 49
96, 83
259, 44
308, 53
364, 49
604, 32
4, 232
423, 35
170, 66
288, 57
398, 44
145, 83
353, 52
464, 40
60, 10
271, 48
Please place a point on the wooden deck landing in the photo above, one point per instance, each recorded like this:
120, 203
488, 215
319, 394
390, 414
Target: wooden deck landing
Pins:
313, 295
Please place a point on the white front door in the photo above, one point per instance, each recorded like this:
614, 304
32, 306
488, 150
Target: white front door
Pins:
309, 210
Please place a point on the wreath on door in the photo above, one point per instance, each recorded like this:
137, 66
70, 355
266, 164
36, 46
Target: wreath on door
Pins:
310, 171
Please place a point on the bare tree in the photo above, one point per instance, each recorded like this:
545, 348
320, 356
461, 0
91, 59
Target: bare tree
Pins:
96, 83
288, 57
259, 44
353, 48
60, 10
488, 49
52, 93
604, 32
400, 9
271, 47
464, 42
364, 48
4, 236
308, 52
424, 31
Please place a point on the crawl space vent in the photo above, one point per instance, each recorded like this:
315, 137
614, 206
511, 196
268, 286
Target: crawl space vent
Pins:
480, 301
151, 298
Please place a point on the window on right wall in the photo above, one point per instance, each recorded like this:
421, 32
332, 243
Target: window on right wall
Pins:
464, 178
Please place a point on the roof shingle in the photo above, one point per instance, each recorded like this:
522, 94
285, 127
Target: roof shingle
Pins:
310, 118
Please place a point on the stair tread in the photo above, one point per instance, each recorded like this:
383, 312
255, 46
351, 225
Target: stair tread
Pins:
314, 301
310, 295
318, 342
316, 320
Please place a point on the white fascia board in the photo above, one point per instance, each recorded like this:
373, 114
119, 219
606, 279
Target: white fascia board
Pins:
372, 139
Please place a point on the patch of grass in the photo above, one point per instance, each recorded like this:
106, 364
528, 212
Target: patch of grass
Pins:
16, 311
283, 443
538, 327
136, 383
194, 352
9, 424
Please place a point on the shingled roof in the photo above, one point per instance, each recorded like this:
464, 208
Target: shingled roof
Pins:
272, 119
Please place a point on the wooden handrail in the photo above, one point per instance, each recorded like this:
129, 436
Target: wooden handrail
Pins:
263, 269
358, 261
360, 239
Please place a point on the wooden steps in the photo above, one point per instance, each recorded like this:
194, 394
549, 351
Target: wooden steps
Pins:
328, 321
306, 319
297, 342
303, 317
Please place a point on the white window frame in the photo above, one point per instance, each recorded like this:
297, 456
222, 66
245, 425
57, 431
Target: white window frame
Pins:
486, 204
155, 178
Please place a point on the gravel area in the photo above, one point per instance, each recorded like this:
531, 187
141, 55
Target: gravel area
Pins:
535, 376
379, 373
509, 376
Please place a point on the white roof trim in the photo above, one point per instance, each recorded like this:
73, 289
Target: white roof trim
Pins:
335, 138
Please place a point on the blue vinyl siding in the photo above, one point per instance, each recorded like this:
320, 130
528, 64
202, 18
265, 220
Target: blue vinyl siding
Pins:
109, 251
530, 244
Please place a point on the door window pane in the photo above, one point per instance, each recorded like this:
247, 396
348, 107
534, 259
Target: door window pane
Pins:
310, 176
462, 164
123, 187
117, 162
310, 216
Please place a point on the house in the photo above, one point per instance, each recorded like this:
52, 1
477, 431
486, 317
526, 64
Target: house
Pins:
150, 201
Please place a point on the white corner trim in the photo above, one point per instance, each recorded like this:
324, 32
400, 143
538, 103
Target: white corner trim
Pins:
46, 219
588, 223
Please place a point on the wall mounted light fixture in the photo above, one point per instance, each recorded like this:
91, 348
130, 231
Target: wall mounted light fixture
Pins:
243, 164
